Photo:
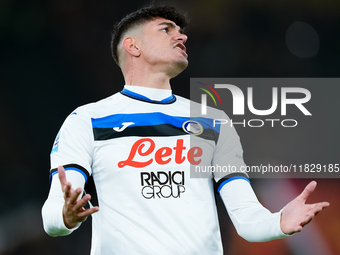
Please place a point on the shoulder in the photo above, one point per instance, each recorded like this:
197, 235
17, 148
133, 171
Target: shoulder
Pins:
181, 99
100, 108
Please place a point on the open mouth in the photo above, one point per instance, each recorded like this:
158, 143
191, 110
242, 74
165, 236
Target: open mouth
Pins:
181, 47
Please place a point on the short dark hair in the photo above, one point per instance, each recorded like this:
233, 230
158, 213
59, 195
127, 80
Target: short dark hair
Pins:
139, 17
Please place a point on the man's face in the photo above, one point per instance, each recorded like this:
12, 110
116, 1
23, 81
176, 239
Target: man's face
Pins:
162, 46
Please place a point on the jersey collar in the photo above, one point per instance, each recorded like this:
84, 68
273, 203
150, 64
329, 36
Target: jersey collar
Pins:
151, 95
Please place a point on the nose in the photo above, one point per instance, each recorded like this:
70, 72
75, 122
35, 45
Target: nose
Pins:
181, 38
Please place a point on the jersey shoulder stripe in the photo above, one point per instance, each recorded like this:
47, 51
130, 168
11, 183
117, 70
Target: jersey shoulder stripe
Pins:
149, 124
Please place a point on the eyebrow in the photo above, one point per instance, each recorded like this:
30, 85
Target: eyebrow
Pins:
170, 24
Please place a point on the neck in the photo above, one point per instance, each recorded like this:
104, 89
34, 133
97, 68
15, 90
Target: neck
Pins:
146, 75
149, 80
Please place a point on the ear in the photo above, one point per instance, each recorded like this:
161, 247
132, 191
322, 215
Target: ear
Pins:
129, 44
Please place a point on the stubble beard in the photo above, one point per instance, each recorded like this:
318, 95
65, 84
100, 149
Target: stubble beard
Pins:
177, 67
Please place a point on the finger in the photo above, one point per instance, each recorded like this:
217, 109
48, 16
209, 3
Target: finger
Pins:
74, 195
62, 176
316, 208
297, 229
308, 190
307, 220
67, 189
88, 212
82, 202
325, 204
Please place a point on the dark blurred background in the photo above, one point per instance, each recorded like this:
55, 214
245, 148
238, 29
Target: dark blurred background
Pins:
55, 56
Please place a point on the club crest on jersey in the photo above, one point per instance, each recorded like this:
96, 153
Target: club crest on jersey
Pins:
192, 127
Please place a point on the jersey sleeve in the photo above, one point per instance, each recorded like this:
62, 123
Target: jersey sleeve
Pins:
252, 221
73, 146
228, 154
52, 210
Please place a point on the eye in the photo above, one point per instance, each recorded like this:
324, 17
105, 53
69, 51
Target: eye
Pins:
166, 29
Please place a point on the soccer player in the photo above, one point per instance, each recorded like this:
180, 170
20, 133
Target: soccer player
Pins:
136, 146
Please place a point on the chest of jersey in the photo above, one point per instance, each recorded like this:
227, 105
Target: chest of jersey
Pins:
151, 154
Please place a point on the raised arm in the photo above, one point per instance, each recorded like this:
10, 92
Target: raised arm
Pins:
64, 209
73, 209
257, 224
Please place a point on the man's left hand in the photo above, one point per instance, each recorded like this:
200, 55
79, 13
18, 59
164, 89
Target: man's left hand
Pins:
297, 213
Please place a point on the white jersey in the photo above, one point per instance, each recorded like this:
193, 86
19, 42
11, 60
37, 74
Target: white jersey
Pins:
139, 153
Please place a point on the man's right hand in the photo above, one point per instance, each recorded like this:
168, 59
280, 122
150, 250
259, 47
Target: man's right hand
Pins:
73, 209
